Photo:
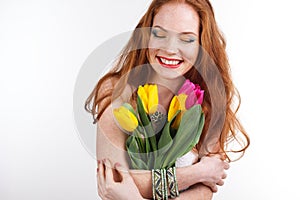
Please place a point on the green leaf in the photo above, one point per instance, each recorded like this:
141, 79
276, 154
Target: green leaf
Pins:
195, 138
188, 135
146, 124
165, 137
165, 142
151, 160
146, 148
136, 158
130, 108
132, 147
142, 113
131, 144
139, 138
136, 162
199, 131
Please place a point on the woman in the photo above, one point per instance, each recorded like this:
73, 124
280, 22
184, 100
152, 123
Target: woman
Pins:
182, 39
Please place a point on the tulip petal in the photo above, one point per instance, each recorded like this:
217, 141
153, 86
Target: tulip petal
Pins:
179, 104
144, 97
201, 96
187, 87
174, 106
152, 98
149, 96
125, 118
182, 98
191, 100
194, 92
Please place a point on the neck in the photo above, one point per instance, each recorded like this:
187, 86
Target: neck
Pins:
172, 85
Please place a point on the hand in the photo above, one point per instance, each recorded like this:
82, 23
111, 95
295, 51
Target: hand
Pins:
109, 189
212, 171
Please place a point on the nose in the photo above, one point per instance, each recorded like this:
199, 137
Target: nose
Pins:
171, 46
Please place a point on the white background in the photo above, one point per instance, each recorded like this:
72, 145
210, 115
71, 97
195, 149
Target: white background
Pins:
43, 45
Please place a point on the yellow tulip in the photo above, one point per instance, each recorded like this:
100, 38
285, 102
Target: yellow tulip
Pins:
126, 119
174, 106
177, 103
182, 99
149, 96
144, 97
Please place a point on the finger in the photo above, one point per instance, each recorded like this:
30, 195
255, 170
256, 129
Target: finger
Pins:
220, 156
220, 183
122, 171
97, 170
108, 172
215, 189
226, 165
100, 175
224, 176
216, 156
212, 186
100, 179
98, 162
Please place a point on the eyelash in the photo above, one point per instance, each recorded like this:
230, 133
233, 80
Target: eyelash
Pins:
154, 32
188, 41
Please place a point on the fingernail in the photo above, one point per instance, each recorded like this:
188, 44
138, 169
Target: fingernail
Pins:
106, 162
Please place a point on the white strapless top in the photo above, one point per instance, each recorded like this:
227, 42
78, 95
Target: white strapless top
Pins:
188, 159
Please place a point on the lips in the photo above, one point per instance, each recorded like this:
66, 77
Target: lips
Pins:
169, 62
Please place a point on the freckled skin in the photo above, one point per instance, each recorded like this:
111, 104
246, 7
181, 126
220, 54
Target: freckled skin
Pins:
176, 23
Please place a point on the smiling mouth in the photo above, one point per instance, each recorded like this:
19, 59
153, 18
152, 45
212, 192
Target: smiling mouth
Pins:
169, 63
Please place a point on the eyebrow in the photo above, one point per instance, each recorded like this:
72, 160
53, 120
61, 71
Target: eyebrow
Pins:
165, 30
182, 33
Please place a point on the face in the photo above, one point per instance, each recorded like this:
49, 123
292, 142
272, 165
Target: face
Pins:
174, 40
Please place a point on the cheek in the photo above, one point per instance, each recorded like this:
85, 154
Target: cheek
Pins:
152, 49
151, 55
190, 54
153, 43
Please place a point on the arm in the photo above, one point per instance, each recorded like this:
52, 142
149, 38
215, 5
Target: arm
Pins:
125, 188
111, 144
197, 173
196, 192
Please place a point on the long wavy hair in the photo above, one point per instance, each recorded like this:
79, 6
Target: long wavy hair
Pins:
211, 71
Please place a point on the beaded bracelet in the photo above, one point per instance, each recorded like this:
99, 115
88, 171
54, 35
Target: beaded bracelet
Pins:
164, 184
172, 182
163, 179
153, 184
176, 183
159, 184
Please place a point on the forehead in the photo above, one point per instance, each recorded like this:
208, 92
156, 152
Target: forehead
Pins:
178, 17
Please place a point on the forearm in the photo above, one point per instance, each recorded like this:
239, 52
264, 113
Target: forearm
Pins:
196, 192
143, 181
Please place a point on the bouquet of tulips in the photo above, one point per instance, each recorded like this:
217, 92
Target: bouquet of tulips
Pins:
156, 140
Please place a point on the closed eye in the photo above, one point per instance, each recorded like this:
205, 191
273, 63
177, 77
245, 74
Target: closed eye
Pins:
158, 33
188, 39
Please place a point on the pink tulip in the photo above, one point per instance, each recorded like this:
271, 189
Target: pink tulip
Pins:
194, 93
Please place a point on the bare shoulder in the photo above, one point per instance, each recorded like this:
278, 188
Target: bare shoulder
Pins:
110, 139
107, 127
